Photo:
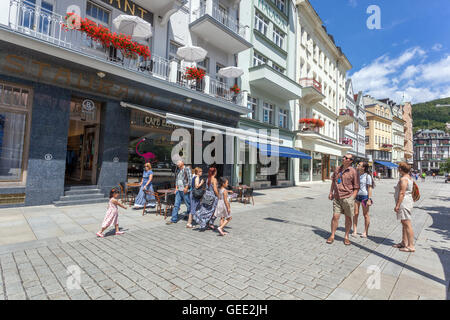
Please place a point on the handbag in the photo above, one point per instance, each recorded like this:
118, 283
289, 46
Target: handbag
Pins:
198, 193
208, 198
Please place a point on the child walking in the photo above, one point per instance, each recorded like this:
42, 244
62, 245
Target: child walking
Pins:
223, 210
112, 215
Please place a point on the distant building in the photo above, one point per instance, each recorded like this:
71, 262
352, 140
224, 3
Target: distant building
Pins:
431, 149
408, 128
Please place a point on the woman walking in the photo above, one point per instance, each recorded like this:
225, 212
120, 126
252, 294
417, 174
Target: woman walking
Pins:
146, 185
403, 208
204, 216
223, 210
364, 197
196, 184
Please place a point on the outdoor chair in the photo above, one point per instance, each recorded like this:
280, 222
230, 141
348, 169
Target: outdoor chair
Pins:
157, 200
248, 193
169, 203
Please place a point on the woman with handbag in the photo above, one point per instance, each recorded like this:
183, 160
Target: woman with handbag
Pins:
204, 216
196, 194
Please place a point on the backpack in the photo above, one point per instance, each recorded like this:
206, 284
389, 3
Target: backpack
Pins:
415, 192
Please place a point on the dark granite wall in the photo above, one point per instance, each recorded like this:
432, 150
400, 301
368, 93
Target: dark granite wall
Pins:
49, 128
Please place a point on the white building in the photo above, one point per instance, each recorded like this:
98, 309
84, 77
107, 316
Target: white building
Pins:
349, 134
321, 70
361, 126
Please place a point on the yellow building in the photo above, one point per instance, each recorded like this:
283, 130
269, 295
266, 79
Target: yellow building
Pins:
379, 136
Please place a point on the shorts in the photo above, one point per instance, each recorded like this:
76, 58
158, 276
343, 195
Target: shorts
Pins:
345, 206
361, 198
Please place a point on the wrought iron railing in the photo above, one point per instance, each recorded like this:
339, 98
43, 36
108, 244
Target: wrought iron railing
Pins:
306, 82
223, 17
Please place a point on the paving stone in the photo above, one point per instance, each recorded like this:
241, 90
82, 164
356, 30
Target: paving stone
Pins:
197, 292
160, 294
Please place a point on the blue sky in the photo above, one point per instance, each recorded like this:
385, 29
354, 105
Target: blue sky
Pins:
409, 55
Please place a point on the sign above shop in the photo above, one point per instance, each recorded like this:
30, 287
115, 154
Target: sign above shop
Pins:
88, 106
129, 7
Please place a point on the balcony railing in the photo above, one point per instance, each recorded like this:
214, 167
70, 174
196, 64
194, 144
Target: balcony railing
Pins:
223, 17
346, 112
306, 82
346, 142
33, 21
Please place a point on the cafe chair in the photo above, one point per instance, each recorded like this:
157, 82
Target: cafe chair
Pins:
157, 200
125, 192
248, 193
169, 203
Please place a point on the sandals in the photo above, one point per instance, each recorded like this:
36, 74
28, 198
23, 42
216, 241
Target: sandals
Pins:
347, 242
407, 249
364, 236
100, 235
119, 233
330, 240
399, 245
189, 226
220, 231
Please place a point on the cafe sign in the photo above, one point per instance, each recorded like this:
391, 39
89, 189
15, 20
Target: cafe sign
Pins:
129, 7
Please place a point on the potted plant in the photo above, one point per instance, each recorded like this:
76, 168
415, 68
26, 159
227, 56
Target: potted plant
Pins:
194, 73
311, 123
235, 89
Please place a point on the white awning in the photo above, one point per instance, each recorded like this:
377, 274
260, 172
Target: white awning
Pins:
191, 123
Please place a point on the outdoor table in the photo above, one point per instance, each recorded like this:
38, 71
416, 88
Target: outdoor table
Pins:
166, 192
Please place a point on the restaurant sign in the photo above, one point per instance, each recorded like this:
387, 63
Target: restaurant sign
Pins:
129, 7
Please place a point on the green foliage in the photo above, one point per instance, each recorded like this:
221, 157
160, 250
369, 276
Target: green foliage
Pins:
445, 167
427, 116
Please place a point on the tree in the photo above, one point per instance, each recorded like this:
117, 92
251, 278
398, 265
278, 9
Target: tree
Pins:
445, 167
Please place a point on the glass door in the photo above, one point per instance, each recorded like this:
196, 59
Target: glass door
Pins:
89, 154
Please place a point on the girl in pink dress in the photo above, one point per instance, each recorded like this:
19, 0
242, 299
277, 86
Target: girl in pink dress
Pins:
112, 215
223, 210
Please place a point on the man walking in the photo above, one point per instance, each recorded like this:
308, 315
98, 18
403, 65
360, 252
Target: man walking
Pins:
343, 191
184, 176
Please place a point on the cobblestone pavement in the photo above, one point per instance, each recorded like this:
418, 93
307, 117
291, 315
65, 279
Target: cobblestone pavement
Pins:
275, 250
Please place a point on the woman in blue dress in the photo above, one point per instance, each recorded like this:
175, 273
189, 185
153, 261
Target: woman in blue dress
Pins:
146, 184
196, 183
204, 216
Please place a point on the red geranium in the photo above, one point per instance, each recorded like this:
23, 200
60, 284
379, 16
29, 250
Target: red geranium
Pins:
103, 35
194, 73
315, 122
235, 89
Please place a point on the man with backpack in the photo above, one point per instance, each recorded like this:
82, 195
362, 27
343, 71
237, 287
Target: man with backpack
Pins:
183, 176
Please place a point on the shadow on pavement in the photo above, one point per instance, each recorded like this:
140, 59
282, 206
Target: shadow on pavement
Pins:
388, 242
441, 226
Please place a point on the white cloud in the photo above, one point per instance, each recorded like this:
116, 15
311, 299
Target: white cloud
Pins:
437, 47
408, 74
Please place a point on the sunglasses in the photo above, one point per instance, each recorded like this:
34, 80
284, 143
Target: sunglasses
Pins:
347, 158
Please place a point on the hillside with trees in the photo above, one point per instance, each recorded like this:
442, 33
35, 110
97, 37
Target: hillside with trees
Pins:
427, 116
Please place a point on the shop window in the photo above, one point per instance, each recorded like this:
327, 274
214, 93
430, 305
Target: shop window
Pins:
283, 170
15, 112
317, 166
305, 168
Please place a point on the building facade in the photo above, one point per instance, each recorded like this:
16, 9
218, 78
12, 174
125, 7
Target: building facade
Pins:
350, 134
431, 149
76, 112
408, 128
361, 126
379, 136
321, 71
269, 87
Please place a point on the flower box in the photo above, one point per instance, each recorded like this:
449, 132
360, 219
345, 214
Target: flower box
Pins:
235, 89
311, 122
194, 73
129, 48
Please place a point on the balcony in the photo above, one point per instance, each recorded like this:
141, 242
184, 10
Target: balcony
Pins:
346, 142
346, 116
219, 29
162, 8
386, 146
43, 30
311, 91
271, 81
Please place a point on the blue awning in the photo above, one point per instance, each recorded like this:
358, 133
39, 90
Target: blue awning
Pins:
266, 149
387, 164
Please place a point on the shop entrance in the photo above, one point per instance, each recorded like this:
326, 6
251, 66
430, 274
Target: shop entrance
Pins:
82, 143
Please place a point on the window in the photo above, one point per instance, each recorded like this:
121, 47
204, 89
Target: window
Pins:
267, 112
259, 59
280, 4
173, 48
44, 15
278, 37
204, 65
277, 68
367, 139
97, 13
15, 106
283, 119
252, 104
261, 23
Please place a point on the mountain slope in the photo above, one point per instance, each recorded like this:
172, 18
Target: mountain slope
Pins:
427, 116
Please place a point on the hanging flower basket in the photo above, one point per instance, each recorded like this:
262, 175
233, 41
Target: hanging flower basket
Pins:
315, 123
103, 35
235, 89
194, 73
